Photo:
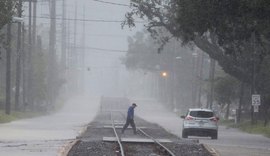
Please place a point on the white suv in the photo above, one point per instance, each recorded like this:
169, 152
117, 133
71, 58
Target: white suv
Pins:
200, 122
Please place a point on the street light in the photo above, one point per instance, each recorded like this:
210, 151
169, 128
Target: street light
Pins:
174, 79
194, 70
164, 74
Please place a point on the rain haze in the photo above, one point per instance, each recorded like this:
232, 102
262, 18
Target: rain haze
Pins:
71, 70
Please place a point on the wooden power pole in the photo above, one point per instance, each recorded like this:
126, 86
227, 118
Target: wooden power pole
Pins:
18, 60
64, 40
52, 51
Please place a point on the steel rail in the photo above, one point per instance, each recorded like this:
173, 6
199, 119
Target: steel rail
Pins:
117, 137
157, 142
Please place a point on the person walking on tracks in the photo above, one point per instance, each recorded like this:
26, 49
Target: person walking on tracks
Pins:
130, 119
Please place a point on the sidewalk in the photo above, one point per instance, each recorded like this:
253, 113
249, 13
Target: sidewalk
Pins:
47, 134
230, 141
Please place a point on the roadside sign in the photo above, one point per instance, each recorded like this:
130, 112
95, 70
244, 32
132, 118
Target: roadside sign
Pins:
256, 100
256, 108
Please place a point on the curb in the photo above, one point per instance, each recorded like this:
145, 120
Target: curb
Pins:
67, 147
211, 150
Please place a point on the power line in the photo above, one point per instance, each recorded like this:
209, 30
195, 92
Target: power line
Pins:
83, 20
119, 4
101, 49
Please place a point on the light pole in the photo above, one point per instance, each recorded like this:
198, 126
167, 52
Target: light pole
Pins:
193, 90
200, 76
211, 77
174, 85
164, 87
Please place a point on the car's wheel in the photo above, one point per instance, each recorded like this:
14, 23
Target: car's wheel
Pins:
214, 135
184, 134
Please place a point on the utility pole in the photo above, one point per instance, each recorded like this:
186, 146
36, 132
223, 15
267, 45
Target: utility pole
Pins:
69, 55
194, 80
68, 47
75, 54
52, 59
32, 48
63, 46
253, 88
83, 53
34, 23
18, 61
29, 57
211, 78
8, 66
200, 79
23, 56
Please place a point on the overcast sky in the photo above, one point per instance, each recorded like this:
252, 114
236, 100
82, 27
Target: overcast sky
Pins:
106, 67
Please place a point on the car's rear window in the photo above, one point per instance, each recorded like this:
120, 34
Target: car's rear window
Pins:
201, 114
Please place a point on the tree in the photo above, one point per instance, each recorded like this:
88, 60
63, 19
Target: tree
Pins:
226, 92
234, 32
7, 10
142, 54
177, 61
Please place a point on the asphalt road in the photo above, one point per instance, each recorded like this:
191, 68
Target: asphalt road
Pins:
234, 142
47, 135
231, 142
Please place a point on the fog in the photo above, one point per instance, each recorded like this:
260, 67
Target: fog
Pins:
98, 35
65, 76
105, 44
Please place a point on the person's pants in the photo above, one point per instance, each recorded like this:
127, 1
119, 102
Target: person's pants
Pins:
131, 122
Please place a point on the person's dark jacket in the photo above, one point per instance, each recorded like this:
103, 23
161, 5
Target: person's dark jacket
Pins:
130, 114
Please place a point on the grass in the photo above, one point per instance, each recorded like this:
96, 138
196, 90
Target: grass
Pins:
246, 126
16, 115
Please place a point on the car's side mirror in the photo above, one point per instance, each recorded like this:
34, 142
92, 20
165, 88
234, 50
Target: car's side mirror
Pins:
183, 116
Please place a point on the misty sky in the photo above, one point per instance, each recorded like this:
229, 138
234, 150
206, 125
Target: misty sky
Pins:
107, 72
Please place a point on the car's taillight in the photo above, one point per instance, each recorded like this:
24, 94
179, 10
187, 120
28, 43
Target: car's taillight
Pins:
189, 118
214, 119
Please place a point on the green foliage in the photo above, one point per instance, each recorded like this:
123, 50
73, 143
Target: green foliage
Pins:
263, 81
246, 126
39, 76
226, 89
16, 115
6, 118
236, 33
7, 10
142, 54
231, 20
255, 129
223, 29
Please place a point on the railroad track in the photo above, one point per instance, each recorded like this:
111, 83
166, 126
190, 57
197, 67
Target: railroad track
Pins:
98, 138
158, 145
164, 149
117, 137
